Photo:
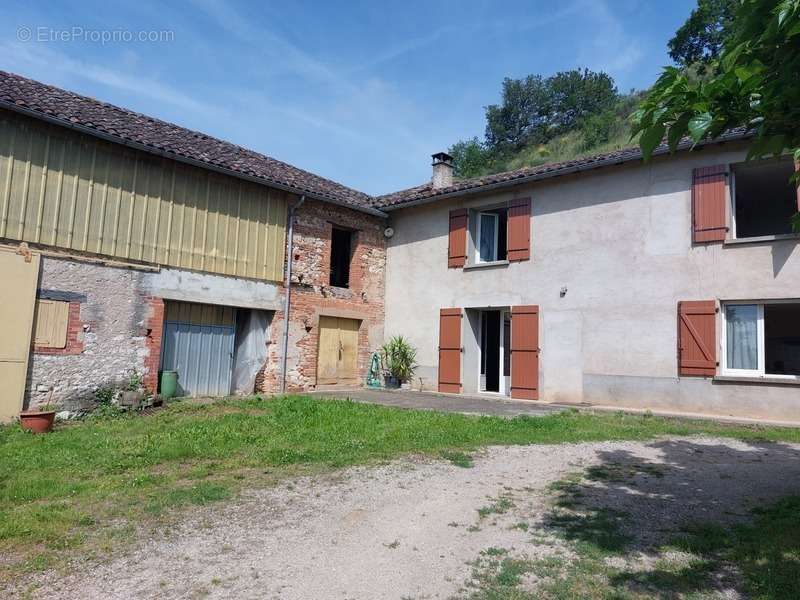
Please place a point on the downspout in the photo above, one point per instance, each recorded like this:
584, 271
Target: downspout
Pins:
288, 301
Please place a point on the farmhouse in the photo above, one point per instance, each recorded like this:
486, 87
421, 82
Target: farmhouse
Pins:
131, 246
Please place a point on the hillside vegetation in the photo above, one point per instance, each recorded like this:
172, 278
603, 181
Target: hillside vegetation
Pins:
556, 126
571, 114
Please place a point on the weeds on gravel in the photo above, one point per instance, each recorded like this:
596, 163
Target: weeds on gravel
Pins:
764, 555
459, 459
766, 552
81, 487
497, 507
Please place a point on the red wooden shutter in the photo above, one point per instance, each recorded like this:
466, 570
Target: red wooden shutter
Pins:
697, 338
519, 229
450, 350
457, 249
709, 201
525, 352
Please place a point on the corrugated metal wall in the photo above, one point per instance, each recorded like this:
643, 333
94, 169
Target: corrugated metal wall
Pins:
199, 345
68, 190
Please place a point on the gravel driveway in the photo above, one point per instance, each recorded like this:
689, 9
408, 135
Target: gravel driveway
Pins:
409, 529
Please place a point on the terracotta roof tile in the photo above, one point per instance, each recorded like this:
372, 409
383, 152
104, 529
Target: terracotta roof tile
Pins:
127, 126
426, 192
87, 114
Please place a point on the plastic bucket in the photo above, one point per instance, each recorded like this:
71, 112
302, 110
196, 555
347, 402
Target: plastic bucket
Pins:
169, 384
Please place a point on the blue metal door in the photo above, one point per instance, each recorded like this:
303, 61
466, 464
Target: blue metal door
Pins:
199, 345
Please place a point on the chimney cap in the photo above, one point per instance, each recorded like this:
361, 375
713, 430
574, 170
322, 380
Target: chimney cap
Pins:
442, 157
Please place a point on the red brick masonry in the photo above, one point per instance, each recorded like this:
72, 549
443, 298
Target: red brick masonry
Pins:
154, 333
313, 296
74, 343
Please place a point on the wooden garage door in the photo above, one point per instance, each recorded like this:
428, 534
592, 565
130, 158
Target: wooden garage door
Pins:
19, 277
337, 355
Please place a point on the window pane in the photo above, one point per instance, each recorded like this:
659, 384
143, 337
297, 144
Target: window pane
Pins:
765, 197
742, 336
782, 339
486, 245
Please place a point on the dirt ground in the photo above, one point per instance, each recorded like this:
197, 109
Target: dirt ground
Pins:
414, 528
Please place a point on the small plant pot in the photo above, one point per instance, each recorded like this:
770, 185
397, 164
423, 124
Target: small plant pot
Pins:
38, 421
391, 382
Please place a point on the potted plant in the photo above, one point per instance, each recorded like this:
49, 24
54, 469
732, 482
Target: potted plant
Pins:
39, 420
399, 361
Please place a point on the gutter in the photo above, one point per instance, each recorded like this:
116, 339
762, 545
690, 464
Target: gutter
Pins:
479, 189
183, 159
287, 304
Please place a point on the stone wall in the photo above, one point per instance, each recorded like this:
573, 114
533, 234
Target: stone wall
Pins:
107, 332
116, 313
312, 295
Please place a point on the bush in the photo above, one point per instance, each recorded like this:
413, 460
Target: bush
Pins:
399, 358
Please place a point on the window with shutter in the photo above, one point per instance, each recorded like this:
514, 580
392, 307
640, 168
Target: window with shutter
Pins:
51, 320
450, 350
697, 338
519, 229
709, 201
457, 246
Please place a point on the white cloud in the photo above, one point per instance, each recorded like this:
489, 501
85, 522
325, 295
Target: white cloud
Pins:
612, 49
50, 66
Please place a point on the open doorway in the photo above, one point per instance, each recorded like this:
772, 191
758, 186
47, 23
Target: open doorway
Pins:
494, 341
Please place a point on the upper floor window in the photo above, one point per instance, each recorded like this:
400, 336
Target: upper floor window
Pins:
490, 237
764, 198
341, 252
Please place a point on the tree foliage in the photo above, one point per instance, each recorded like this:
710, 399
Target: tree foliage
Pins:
700, 38
470, 158
755, 84
536, 109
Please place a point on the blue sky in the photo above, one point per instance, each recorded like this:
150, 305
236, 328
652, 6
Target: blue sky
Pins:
360, 92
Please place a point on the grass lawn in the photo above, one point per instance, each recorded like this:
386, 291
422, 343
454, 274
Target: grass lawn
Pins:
81, 490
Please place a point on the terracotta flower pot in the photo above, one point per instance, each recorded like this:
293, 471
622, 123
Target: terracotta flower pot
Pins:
37, 421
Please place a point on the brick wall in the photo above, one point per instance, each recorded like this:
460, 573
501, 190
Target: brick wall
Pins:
312, 295
116, 322
154, 334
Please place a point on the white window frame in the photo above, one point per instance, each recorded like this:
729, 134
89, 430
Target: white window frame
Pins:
760, 341
496, 219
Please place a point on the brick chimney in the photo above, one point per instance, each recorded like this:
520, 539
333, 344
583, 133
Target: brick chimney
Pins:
442, 170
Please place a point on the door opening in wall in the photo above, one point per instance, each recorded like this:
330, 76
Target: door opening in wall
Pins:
495, 336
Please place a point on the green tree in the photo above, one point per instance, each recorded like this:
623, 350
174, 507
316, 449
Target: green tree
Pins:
755, 84
575, 95
700, 38
523, 116
470, 158
534, 110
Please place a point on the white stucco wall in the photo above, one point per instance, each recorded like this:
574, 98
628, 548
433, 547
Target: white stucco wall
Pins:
619, 240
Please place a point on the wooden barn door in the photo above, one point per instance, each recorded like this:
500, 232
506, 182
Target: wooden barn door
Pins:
19, 275
525, 352
337, 355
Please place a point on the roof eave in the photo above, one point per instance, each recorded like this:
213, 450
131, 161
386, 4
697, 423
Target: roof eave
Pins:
186, 160
557, 173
